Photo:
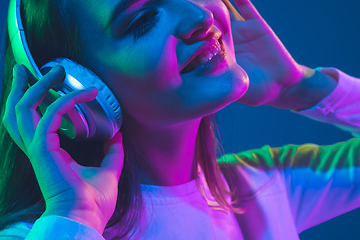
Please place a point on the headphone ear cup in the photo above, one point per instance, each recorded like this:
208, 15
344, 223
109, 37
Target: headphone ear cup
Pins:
99, 119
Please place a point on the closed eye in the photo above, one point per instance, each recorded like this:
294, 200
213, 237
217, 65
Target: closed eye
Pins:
143, 24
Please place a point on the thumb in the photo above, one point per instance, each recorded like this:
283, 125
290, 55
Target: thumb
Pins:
114, 155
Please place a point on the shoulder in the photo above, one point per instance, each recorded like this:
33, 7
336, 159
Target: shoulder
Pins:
269, 158
263, 157
250, 171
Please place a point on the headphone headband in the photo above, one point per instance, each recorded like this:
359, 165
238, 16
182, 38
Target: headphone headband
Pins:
99, 119
18, 40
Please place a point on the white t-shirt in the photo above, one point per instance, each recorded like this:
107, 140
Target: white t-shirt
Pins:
309, 184
186, 211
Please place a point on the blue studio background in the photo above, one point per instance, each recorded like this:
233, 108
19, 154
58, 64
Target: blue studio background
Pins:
317, 33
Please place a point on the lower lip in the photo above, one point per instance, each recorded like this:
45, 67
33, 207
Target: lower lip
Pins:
215, 65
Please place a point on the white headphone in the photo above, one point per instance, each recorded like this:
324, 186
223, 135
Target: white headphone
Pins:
99, 119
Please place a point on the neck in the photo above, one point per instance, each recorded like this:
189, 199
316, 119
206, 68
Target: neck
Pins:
164, 156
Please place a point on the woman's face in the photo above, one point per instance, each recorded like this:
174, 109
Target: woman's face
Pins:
143, 51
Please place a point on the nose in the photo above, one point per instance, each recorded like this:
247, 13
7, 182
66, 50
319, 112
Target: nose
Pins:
196, 21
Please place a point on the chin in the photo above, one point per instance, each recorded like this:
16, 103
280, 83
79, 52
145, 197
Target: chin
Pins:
239, 90
238, 82
241, 81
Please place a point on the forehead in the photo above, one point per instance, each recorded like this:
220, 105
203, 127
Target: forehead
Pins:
100, 11
92, 10
91, 17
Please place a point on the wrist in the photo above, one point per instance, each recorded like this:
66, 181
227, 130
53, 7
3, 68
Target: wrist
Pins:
85, 217
308, 92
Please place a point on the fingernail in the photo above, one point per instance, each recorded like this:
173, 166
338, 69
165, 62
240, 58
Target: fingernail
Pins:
89, 89
55, 68
13, 76
14, 69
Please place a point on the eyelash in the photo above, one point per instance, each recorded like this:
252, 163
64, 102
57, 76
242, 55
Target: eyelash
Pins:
143, 25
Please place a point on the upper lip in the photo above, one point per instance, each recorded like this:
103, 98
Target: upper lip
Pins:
208, 44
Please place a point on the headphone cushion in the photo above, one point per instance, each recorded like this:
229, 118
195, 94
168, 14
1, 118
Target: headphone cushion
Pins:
80, 77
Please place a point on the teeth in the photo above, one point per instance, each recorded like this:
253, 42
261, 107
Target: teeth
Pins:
209, 54
203, 58
218, 46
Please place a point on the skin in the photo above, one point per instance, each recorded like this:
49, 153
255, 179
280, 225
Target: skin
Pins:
276, 79
163, 107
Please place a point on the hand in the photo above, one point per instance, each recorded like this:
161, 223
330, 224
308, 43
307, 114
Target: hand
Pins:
69, 190
270, 67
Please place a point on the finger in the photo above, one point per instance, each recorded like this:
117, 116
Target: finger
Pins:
247, 9
19, 85
26, 114
114, 158
234, 14
51, 120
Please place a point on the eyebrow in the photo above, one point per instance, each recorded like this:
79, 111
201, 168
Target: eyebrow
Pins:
120, 7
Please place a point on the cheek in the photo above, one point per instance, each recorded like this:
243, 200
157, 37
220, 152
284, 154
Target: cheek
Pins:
132, 60
166, 70
222, 19
147, 69
146, 59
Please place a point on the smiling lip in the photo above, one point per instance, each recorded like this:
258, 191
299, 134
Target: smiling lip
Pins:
206, 46
217, 63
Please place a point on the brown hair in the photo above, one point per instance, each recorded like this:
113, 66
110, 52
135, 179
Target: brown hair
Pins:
52, 33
